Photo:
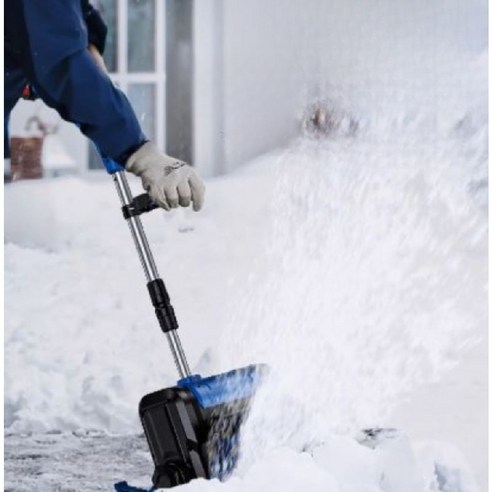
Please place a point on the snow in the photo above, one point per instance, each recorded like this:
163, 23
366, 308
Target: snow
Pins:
95, 461
304, 260
55, 156
353, 264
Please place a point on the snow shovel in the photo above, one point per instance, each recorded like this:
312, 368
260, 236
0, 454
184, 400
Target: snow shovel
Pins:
193, 428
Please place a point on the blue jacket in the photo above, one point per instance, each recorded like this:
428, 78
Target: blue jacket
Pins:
46, 46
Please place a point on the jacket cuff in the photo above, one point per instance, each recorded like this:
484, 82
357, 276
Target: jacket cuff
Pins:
123, 158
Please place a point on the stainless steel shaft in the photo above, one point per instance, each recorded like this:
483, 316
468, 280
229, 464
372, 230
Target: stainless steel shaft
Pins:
149, 267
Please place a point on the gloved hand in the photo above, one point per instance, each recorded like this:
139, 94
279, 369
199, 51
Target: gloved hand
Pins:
169, 181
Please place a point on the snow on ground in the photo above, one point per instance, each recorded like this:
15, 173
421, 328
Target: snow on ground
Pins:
358, 282
69, 462
80, 327
95, 461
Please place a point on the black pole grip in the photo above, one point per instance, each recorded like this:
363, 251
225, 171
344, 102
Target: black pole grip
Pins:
141, 204
162, 304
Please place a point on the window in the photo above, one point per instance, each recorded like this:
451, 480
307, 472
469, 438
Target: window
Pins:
109, 12
142, 97
141, 35
135, 56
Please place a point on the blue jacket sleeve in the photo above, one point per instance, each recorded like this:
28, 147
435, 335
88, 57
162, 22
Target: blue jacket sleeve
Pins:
67, 78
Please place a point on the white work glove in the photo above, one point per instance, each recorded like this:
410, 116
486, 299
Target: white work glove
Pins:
169, 181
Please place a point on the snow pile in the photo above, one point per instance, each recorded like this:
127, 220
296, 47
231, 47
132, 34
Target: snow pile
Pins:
82, 343
343, 465
375, 279
319, 276
359, 281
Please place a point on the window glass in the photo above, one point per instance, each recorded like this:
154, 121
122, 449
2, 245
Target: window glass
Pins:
142, 97
109, 13
141, 35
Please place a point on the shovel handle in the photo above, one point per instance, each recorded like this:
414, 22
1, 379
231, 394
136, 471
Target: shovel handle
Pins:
132, 208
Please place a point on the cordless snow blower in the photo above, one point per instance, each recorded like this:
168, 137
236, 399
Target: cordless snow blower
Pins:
193, 428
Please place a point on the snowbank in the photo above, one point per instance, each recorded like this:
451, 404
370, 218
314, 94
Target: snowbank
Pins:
80, 331
312, 260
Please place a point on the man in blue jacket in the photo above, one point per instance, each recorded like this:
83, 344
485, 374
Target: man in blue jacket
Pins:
48, 46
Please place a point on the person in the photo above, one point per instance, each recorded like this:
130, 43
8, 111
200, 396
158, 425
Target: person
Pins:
55, 47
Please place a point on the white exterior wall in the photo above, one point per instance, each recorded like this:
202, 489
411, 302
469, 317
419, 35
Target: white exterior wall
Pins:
208, 88
252, 61
262, 80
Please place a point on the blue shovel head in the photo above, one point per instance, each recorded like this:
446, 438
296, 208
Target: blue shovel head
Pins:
193, 428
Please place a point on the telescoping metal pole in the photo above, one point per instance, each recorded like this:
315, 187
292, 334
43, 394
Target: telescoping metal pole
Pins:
157, 290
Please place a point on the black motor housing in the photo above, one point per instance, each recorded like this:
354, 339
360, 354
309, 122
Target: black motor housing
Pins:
193, 429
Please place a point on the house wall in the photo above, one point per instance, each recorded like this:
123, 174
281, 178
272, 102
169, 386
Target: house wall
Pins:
252, 70
262, 77
208, 87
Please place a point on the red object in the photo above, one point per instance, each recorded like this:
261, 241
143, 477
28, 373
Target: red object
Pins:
26, 92
25, 158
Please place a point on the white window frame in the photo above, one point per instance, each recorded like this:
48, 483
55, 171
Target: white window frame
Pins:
157, 78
